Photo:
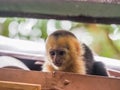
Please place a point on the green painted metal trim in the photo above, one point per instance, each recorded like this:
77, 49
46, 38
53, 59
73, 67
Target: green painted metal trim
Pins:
67, 9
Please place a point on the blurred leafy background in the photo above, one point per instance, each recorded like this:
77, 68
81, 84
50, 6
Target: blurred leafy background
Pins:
103, 39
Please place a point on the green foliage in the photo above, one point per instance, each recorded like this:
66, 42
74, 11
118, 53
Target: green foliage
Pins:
5, 31
42, 24
102, 43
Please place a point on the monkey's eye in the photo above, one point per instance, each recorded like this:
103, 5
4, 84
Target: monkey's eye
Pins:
61, 53
52, 53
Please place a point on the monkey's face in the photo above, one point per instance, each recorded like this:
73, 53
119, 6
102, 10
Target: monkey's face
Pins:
62, 51
58, 52
58, 56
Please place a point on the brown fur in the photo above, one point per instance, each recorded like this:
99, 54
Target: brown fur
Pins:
73, 59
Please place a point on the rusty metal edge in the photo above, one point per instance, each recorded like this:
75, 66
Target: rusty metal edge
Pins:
80, 18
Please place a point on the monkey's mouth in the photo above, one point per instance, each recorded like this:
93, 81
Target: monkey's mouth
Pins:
58, 63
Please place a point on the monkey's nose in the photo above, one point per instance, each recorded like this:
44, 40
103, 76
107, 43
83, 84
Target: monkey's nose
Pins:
58, 63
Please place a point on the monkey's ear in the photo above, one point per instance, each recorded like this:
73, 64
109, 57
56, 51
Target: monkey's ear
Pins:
80, 49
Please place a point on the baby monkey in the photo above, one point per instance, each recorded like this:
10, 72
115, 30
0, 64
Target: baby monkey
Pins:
65, 53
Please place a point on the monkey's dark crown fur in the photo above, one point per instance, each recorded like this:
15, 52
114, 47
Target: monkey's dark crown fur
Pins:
60, 33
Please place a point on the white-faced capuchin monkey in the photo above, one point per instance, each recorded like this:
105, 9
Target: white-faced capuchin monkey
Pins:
65, 53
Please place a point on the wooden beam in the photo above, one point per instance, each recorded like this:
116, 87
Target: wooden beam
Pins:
93, 11
60, 80
7, 85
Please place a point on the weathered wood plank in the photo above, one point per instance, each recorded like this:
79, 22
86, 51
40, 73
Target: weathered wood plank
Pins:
7, 85
60, 81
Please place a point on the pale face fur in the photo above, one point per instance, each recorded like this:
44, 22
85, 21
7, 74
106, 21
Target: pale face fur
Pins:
63, 44
64, 53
